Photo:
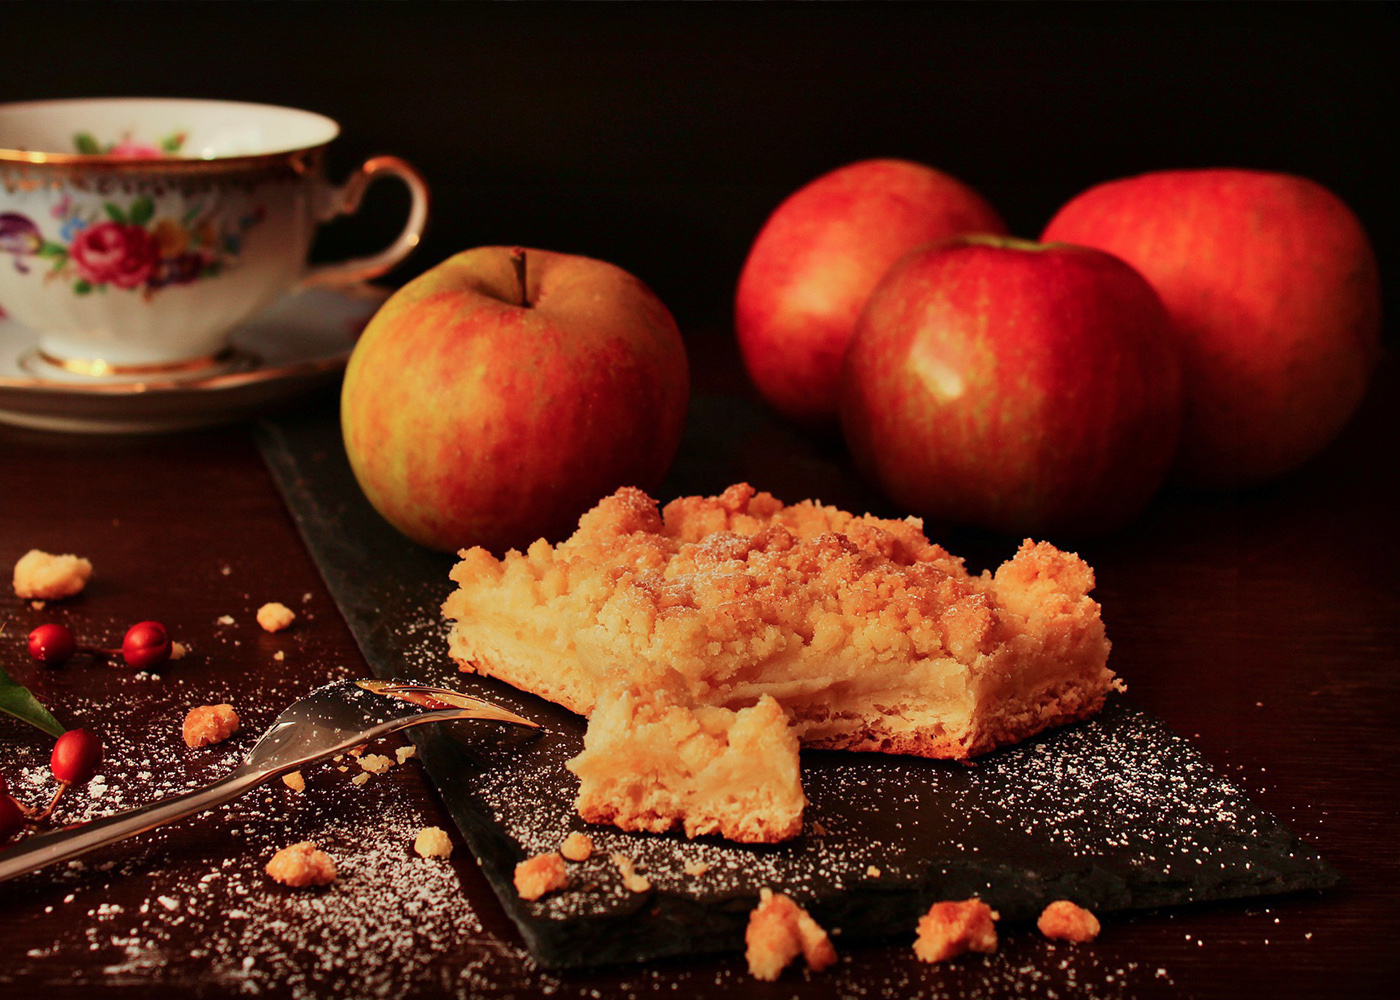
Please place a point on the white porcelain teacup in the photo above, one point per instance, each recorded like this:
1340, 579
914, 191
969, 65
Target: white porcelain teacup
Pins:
136, 233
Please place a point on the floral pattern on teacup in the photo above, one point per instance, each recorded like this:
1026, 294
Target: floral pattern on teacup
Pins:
128, 148
128, 248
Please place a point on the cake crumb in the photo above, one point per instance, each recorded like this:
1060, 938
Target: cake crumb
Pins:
375, 763
225, 619
950, 928
873, 872
294, 781
632, 881
38, 605
275, 616
210, 724
279, 656
696, 868
403, 753
541, 874
360, 778
432, 842
577, 847
178, 650
301, 865
779, 930
1062, 920
45, 577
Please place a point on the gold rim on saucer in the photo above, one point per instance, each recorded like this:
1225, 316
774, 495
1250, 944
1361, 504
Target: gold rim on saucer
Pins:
98, 368
49, 372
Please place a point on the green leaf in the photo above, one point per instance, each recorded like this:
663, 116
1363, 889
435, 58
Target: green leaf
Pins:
81, 287
50, 249
114, 213
85, 143
142, 209
16, 700
172, 143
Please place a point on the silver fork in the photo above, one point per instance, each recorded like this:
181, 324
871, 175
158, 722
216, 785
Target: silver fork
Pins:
330, 720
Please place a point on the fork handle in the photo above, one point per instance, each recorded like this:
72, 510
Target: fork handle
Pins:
35, 852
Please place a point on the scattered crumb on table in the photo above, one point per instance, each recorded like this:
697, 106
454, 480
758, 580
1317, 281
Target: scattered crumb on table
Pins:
432, 842
577, 846
1062, 920
778, 931
540, 874
951, 928
376, 763
301, 865
275, 616
41, 576
210, 724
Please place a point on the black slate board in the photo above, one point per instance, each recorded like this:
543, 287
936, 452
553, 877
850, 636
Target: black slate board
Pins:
1116, 813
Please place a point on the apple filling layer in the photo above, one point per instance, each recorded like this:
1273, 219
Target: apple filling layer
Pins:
867, 635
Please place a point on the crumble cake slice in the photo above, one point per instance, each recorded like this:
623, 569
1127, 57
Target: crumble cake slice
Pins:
868, 635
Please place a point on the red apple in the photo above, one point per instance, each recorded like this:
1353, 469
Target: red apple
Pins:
1015, 386
1274, 295
816, 260
496, 397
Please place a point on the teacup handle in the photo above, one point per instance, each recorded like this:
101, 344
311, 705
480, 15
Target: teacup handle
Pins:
345, 200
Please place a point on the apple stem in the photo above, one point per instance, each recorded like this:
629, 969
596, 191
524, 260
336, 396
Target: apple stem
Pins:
517, 257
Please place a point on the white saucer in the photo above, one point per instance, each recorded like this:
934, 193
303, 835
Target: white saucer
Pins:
302, 340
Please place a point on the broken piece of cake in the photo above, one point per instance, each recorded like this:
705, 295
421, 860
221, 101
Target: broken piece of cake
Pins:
864, 634
649, 764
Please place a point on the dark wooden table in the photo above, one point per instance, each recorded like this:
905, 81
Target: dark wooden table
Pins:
1263, 625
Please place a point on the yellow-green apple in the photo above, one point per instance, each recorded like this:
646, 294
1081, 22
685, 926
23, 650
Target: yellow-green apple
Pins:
816, 260
497, 396
1011, 385
1273, 292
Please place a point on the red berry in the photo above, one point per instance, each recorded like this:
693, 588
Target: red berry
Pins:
11, 819
146, 645
52, 644
75, 757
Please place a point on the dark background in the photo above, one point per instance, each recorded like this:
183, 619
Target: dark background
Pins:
659, 136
